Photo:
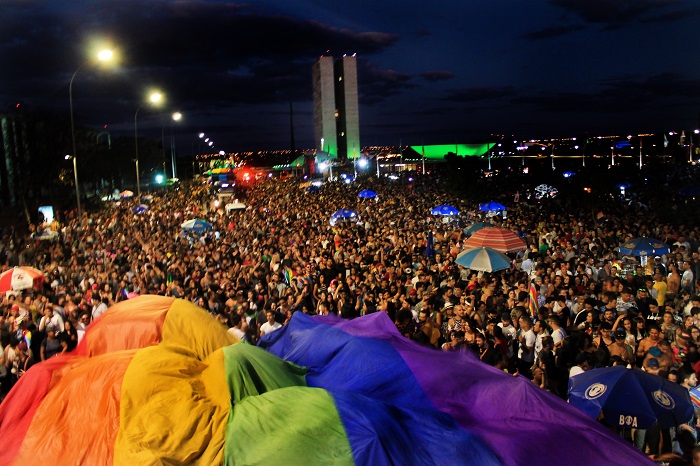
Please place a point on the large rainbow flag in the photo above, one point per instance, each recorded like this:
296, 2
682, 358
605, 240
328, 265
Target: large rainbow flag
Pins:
158, 381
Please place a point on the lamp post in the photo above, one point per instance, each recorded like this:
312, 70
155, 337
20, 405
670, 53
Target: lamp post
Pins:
154, 98
553, 157
104, 55
612, 156
75, 175
177, 116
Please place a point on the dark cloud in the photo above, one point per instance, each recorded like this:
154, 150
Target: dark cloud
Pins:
434, 76
200, 54
620, 95
671, 16
377, 84
614, 14
480, 94
550, 32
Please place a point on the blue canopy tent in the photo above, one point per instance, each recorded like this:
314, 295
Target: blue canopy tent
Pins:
492, 207
445, 209
343, 214
644, 247
197, 226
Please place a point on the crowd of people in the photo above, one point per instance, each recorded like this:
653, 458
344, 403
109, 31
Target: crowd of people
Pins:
568, 303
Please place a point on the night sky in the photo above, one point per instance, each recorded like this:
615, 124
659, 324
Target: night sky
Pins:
429, 72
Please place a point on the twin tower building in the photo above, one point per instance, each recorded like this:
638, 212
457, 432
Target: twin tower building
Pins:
336, 109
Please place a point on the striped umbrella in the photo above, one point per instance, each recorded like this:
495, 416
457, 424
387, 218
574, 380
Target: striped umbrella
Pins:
499, 239
21, 278
474, 227
484, 260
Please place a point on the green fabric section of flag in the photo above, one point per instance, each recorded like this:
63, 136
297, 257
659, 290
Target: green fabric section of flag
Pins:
294, 425
253, 371
275, 417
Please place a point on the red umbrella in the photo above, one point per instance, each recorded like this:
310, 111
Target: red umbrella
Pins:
499, 239
21, 278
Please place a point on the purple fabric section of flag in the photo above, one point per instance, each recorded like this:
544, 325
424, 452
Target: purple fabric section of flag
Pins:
522, 423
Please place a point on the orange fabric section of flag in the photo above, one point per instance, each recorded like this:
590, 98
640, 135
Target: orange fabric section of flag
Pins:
18, 408
128, 325
78, 420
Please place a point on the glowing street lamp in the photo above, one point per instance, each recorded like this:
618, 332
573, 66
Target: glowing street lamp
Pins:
177, 116
104, 55
154, 98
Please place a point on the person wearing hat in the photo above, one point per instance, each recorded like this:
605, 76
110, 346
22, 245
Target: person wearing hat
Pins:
659, 266
620, 348
652, 366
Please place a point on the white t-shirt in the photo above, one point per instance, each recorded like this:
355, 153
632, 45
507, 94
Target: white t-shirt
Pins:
686, 279
267, 328
529, 341
558, 335
237, 332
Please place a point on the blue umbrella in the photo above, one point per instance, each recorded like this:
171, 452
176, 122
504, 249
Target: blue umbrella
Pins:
474, 227
644, 247
492, 207
197, 225
444, 210
343, 214
484, 260
139, 209
630, 397
367, 194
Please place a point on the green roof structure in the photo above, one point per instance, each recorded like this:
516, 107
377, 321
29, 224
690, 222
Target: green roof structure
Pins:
438, 152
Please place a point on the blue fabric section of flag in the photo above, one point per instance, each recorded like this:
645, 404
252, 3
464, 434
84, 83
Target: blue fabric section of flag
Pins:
387, 415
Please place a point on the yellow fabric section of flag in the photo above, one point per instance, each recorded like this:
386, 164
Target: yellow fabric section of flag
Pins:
175, 400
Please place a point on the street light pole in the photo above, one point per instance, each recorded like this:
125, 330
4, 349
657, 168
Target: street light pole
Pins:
75, 175
136, 138
154, 98
72, 132
177, 116
553, 157
104, 55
